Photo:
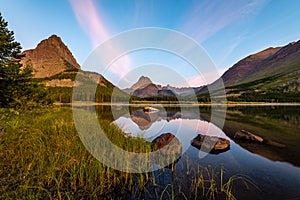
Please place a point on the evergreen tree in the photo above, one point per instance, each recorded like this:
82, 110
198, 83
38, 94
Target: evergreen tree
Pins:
15, 87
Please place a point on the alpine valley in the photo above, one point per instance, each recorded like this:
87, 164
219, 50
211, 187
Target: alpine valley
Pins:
272, 75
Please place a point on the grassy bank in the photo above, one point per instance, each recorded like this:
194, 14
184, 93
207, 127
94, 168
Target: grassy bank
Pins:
42, 157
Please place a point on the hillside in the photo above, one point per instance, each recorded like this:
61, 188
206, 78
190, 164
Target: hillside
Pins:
60, 87
270, 62
244, 70
270, 75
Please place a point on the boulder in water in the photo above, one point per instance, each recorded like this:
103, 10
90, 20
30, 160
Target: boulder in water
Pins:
211, 144
246, 135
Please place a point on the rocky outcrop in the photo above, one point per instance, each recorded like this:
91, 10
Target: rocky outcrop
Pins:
245, 135
50, 57
211, 144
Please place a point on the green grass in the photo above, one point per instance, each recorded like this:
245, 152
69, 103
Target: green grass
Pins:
42, 157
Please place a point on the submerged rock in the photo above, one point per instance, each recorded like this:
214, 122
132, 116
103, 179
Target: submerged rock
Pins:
174, 145
245, 135
169, 150
211, 144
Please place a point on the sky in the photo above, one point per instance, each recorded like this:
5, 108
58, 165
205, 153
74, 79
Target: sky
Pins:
227, 31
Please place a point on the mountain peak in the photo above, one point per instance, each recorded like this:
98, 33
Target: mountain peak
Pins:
145, 78
54, 36
141, 83
53, 40
50, 57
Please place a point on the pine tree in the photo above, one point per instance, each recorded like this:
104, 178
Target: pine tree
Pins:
15, 87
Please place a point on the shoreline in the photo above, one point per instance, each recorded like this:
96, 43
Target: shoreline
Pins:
176, 105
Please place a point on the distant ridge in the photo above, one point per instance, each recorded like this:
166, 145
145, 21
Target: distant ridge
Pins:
144, 87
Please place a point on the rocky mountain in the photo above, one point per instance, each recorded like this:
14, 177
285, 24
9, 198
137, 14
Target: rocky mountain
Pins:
272, 74
50, 57
54, 64
144, 87
147, 91
141, 83
55, 67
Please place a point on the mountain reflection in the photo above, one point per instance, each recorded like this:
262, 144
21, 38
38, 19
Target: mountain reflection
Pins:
184, 126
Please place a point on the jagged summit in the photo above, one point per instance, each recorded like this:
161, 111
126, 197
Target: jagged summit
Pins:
144, 87
50, 57
141, 83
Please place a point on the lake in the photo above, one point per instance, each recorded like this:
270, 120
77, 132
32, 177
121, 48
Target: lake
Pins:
268, 170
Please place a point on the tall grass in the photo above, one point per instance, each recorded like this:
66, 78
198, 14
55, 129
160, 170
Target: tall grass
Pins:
42, 157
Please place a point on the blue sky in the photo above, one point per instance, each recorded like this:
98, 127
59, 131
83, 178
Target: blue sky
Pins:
227, 29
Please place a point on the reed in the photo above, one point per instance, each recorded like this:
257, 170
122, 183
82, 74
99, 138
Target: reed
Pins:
42, 156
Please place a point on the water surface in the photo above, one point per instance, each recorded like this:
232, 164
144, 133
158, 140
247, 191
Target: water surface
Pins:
272, 166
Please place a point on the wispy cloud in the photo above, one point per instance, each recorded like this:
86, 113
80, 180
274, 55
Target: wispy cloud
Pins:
208, 17
93, 24
228, 50
90, 21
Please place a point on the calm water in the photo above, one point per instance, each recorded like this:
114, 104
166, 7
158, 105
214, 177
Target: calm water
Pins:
273, 166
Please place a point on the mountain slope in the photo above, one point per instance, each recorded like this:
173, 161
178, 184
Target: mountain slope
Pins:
147, 91
275, 61
270, 75
246, 67
50, 57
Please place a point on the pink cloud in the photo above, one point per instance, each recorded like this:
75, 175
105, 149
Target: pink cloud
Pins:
90, 21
